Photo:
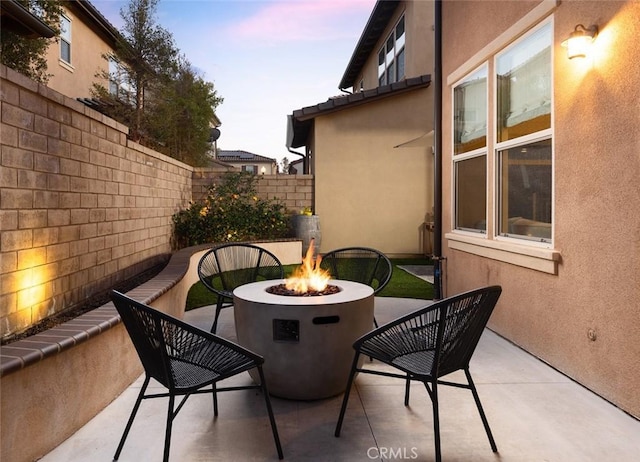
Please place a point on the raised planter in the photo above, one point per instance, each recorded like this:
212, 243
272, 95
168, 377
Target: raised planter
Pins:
54, 382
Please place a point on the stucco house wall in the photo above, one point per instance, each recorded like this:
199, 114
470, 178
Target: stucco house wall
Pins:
579, 308
367, 192
89, 42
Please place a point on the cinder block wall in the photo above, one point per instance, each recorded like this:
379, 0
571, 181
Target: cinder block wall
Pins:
80, 206
295, 191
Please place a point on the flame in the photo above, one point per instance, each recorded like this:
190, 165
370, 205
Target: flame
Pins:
308, 276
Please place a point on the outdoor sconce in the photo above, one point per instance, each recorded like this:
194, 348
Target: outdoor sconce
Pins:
580, 40
263, 170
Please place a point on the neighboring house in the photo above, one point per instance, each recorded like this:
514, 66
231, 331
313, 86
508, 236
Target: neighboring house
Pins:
77, 61
368, 192
249, 162
296, 167
540, 162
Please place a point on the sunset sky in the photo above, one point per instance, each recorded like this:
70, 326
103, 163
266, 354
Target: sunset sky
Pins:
266, 58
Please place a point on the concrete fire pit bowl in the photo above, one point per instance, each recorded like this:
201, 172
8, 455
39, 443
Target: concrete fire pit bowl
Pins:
306, 340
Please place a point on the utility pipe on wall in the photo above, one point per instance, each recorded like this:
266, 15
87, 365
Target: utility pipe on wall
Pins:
437, 180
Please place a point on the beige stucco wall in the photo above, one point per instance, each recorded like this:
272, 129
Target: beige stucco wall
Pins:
582, 318
87, 48
369, 193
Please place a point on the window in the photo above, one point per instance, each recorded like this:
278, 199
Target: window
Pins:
525, 191
391, 56
65, 39
470, 152
119, 86
521, 150
250, 168
523, 137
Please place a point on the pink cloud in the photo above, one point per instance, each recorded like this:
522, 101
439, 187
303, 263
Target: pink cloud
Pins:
306, 20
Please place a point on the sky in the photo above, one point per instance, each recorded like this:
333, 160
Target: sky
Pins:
266, 58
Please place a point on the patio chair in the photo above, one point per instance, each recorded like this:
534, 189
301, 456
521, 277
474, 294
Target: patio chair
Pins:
428, 344
227, 266
184, 359
359, 264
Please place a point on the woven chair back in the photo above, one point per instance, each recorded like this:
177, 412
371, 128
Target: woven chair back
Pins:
228, 266
437, 339
359, 264
462, 320
178, 355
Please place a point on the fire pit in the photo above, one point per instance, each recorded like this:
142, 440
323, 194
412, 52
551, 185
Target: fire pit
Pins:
306, 340
304, 326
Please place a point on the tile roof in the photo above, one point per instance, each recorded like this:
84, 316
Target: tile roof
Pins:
242, 156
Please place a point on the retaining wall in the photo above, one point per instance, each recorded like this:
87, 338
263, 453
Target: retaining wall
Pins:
82, 207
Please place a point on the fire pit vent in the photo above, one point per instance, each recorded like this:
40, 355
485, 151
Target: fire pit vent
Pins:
286, 330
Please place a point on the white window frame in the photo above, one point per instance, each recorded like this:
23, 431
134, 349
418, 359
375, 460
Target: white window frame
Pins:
480, 152
65, 38
533, 255
522, 140
391, 58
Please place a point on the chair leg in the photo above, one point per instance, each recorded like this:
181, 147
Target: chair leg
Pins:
167, 436
436, 417
485, 422
343, 408
136, 406
272, 420
215, 400
214, 327
407, 387
375, 324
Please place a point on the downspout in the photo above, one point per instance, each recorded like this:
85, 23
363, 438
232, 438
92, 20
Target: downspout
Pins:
305, 162
437, 180
289, 142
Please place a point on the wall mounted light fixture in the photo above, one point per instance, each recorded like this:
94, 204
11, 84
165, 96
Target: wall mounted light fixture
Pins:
580, 40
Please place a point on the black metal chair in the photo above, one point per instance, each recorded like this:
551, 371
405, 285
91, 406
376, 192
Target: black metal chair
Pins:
227, 266
184, 359
428, 344
359, 264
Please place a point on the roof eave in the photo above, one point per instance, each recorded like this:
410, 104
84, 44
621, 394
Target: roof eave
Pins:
376, 25
21, 21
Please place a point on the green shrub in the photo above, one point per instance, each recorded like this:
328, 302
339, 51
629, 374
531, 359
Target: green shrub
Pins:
231, 212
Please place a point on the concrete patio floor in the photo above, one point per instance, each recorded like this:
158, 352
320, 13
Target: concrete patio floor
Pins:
535, 413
